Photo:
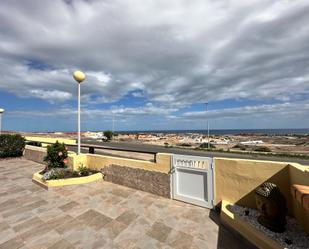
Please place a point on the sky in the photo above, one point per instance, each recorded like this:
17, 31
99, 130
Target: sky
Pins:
152, 65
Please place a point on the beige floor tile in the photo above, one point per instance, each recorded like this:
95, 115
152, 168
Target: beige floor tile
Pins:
28, 224
159, 231
98, 215
13, 243
63, 244
127, 217
113, 229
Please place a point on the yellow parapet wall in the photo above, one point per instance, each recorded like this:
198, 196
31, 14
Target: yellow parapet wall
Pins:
99, 161
236, 179
51, 140
74, 161
94, 161
299, 175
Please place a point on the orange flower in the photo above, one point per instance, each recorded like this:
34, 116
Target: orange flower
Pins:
65, 161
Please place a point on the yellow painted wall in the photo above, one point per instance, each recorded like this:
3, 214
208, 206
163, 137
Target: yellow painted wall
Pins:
100, 161
236, 179
163, 162
95, 161
51, 140
300, 175
74, 160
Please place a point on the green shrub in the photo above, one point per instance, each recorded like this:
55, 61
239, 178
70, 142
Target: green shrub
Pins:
205, 146
262, 149
240, 146
184, 145
83, 170
11, 145
108, 134
56, 155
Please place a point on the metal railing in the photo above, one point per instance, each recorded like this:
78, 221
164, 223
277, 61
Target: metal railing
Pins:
93, 147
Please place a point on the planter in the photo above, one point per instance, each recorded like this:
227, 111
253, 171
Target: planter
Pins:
37, 178
246, 225
246, 230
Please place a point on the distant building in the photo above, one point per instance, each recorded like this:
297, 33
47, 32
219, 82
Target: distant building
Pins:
252, 142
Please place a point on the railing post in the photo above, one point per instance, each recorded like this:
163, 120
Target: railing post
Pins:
91, 150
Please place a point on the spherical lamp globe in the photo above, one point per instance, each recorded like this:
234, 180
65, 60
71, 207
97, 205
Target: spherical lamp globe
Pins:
79, 76
1, 110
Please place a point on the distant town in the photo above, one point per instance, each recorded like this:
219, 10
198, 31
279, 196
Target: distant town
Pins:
244, 142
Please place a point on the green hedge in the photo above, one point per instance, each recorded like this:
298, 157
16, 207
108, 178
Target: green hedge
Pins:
11, 145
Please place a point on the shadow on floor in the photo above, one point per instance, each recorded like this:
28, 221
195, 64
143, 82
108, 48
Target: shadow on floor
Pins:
227, 237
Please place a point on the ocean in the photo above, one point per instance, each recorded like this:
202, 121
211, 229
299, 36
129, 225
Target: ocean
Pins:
228, 132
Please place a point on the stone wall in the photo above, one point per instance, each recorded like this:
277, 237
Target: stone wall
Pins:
150, 181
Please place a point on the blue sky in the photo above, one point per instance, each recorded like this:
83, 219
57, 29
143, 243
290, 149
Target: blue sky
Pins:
153, 64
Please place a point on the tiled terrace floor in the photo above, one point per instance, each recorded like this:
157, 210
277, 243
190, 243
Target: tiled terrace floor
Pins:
98, 215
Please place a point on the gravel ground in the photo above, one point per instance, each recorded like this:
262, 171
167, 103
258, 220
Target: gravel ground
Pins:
294, 232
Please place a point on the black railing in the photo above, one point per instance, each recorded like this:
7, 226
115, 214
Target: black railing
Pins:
93, 147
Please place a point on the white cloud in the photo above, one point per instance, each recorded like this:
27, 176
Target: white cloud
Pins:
118, 111
138, 94
281, 115
296, 110
53, 96
175, 52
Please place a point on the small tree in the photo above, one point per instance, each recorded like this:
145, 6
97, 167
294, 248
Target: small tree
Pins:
108, 134
56, 155
240, 146
262, 149
206, 146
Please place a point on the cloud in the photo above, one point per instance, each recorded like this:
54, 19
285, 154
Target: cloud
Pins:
53, 96
176, 53
150, 116
287, 110
118, 111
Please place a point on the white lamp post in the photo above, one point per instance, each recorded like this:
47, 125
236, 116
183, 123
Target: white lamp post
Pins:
1, 111
79, 77
208, 145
